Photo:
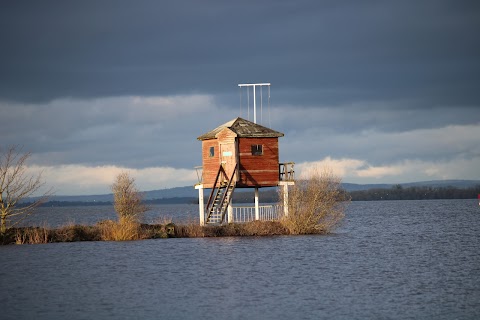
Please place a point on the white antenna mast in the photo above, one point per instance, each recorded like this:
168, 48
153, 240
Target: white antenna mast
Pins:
254, 99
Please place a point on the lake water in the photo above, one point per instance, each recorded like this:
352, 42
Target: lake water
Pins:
389, 260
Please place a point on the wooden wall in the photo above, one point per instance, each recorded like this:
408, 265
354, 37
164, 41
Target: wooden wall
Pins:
255, 171
210, 164
258, 171
225, 150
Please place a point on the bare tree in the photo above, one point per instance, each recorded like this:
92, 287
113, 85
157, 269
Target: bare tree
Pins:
16, 185
127, 199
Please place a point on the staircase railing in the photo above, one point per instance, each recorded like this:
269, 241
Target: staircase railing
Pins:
210, 198
228, 193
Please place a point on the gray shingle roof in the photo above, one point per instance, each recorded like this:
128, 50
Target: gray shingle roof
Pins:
244, 129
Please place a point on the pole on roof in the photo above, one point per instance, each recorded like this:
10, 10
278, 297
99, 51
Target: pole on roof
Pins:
254, 98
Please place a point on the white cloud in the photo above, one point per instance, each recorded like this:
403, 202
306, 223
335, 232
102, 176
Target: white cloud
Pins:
84, 180
379, 171
361, 171
339, 167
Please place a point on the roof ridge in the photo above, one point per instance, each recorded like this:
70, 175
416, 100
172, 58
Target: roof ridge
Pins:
243, 128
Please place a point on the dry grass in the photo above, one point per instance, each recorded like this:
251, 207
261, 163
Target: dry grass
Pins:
129, 229
255, 228
68, 233
316, 204
189, 229
107, 230
124, 230
32, 235
264, 228
72, 232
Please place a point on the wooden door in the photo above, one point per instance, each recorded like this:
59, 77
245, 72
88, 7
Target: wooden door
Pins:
228, 157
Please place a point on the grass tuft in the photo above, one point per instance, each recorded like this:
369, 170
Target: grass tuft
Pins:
71, 233
124, 230
32, 235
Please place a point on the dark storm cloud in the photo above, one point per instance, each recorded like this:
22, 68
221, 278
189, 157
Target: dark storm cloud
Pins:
384, 89
312, 51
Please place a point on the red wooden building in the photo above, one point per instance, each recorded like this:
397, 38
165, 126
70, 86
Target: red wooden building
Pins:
241, 145
238, 154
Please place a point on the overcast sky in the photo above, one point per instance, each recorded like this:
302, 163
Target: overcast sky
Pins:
379, 91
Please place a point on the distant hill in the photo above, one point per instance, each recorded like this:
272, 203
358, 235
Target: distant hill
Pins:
187, 193
359, 187
179, 192
461, 184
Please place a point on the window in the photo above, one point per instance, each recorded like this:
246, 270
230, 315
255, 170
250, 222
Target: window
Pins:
257, 149
212, 151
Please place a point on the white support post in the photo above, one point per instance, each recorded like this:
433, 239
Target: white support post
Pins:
285, 200
257, 209
201, 204
230, 211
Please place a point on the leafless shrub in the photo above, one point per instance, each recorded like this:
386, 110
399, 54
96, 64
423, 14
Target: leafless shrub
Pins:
316, 204
127, 199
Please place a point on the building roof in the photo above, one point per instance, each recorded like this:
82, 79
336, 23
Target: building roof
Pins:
244, 129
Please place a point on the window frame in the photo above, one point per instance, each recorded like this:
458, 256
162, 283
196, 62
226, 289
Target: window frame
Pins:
257, 149
211, 152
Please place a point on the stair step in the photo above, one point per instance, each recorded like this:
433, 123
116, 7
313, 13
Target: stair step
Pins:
220, 197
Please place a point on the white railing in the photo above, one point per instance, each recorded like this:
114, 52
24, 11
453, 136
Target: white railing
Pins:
266, 213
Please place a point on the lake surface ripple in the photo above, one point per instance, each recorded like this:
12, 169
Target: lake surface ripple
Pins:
389, 260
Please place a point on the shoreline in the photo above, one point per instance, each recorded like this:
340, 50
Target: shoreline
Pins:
109, 230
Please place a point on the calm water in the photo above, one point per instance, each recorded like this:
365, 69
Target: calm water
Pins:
389, 260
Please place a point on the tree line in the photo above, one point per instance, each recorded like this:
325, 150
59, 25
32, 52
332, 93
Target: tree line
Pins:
398, 192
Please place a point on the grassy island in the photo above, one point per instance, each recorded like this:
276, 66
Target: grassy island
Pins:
109, 230
315, 206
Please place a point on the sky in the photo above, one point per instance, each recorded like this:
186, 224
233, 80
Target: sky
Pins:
376, 91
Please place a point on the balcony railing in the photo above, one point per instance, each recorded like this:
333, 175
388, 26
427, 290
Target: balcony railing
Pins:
199, 171
286, 171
